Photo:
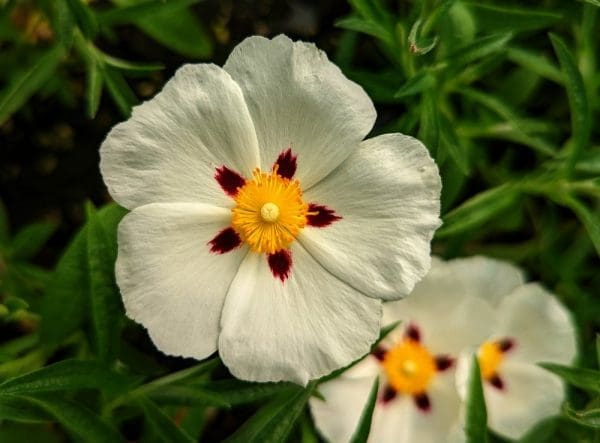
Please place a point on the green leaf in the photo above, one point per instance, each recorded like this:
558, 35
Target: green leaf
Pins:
598, 348
590, 221
536, 63
478, 49
164, 427
188, 396
452, 144
587, 379
580, 112
542, 432
492, 18
476, 413
274, 421
130, 66
130, 12
588, 417
366, 26
422, 81
86, 21
238, 392
65, 23
17, 409
120, 91
105, 301
478, 210
31, 239
67, 375
429, 130
361, 434
29, 82
94, 87
4, 224
593, 2
76, 418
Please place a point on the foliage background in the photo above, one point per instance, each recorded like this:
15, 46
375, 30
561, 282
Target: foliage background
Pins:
505, 95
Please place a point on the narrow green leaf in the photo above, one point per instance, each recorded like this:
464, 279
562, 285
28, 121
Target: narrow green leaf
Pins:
542, 432
493, 18
164, 427
31, 239
274, 421
361, 434
17, 409
120, 91
422, 81
238, 392
130, 66
94, 87
598, 348
587, 379
85, 18
131, 12
588, 417
67, 375
452, 145
65, 23
536, 63
478, 210
593, 2
29, 82
193, 374
105, 301
188, 396
478, 49
590, 221
429, 129
76, 418
366, 26
476, 413
580, 112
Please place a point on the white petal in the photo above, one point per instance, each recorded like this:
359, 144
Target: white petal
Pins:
169, 280
299, 99
297, 330
542, 328
400, 421
449, 316
337, 417
529, 395
388, 195
168, 150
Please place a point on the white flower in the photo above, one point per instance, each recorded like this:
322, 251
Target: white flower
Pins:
461, 305
260, 221
531, 327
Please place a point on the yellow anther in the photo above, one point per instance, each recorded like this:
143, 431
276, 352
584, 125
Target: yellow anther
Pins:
269, 212
409, 367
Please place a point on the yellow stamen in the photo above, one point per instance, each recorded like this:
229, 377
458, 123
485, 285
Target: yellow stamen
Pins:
269, 211
490, 357
409, 367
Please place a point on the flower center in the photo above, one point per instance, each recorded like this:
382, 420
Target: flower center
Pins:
269, 211
490, 357
409, 367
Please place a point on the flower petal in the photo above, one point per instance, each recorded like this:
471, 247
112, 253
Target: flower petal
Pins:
388, 195
445, 313
530, 394
298, 99
337, 416
170, 281
295, 330
170, 147
541, 327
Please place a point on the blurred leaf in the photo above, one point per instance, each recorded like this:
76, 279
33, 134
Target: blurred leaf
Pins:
120, 91
129, 11
238, 392
76, 418
580, 113
105, 301
65, 26
188, 375
166, 429
452, 145
86, 21
535, 63
598, 349
188, 396
542, 432
366, 26
130, 66
67, 375
588, 417
361, 434
274, 421
587, 379
492, 18
31, 239
478, 49
17, 409
422, 81
590, 221
4, 225
94, 87
429, 130
16, 94
478, 210
593, 2
476, 413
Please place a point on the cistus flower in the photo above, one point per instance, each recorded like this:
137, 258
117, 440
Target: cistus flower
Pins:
460, 306
531, 327
261, 224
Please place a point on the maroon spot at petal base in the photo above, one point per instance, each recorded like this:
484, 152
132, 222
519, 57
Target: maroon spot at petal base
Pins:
388, 395
506, 345
286, 163
413, 333
422, 402
379, 353
497, 382
229, 180
280, 263
225, 241
443, 362
322, 216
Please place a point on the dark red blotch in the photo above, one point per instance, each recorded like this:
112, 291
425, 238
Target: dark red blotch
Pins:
443, 362
229, 180
497, 382
280, 263
322, 216
388, 395
413, 333
286, 163
506, 345
225, 241
422, 401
